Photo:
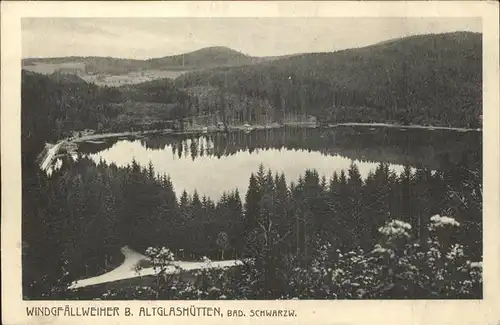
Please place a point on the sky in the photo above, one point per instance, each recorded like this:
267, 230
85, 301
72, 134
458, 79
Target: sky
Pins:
142, 38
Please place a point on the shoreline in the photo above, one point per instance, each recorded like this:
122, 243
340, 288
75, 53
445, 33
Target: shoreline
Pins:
204, 130
410, 126
52, 152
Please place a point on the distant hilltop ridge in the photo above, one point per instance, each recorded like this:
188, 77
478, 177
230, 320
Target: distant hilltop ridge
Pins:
434, 79
424, 80
223, 51
209, 57
211, 52
204, 58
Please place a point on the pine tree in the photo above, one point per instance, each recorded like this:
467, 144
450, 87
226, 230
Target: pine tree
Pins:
184, 203
151, 172
355, 182
252, 203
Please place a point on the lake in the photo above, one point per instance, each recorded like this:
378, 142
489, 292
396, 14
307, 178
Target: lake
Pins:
218, 162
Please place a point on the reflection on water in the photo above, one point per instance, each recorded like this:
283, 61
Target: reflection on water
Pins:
211, 175
220, 162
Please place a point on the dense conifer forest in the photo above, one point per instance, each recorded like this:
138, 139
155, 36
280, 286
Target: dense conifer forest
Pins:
426, 79
413, 234
85, 214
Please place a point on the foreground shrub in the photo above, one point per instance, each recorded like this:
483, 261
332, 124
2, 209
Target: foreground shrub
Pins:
397, 267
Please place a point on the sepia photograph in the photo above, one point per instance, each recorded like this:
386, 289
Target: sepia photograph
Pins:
251, 158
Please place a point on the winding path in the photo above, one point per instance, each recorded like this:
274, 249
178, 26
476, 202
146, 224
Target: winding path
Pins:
127, 269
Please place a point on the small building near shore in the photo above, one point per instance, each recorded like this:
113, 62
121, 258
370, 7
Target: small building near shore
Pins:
85, 132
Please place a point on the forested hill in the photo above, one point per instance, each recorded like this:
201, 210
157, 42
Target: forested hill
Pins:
52, 106
209, 57
425, 79
429, 79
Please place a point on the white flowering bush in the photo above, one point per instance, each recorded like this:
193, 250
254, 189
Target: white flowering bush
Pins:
205, 259
438, 221
334, 275
397, 267
326, 277
446, 272
159, 257
400, 267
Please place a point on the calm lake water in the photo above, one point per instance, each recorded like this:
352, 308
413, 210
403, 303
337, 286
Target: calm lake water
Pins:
214, 163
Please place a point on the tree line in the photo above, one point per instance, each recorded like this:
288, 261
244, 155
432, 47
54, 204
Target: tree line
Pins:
54, 106
75, 223
427, 79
